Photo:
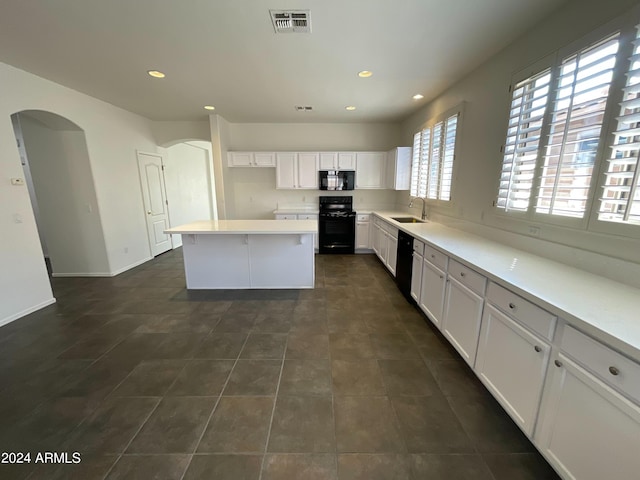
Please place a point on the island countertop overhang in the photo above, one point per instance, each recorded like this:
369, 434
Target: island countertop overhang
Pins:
246, 227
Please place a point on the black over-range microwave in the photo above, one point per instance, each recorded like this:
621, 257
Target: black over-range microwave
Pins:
337, 179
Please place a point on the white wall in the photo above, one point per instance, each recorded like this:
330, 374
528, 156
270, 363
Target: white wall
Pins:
483, 129
112, 137
251, 192
170, 132
63, 183
189, 184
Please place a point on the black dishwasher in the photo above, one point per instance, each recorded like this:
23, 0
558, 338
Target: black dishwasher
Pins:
404, 263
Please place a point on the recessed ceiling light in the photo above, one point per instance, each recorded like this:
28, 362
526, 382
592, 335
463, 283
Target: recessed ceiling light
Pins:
156, 74
417, 96
209, 107
350, 108
365, 74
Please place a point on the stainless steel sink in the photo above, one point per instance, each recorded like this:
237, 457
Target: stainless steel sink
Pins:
407, 220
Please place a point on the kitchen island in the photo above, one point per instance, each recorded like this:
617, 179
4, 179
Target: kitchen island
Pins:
243, 254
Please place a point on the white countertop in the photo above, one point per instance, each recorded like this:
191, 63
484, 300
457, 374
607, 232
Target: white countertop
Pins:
603, 308
263, 227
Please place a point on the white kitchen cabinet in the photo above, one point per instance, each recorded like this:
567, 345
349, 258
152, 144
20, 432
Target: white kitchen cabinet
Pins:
587, 430
251, 159
432, 291
398, 175
512, 362
296, 170
462, 318
337, 160
363, 229
416, 275
385, 244
392, 252
370, 169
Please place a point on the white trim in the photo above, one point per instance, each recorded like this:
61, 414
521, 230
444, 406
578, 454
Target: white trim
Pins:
29, 310
102, 274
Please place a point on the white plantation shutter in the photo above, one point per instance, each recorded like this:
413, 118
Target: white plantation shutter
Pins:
528, 104
448, 155
415, 164
575, 127
432, 161
620, 200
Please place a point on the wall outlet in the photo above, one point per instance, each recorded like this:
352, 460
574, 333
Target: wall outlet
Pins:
534, 231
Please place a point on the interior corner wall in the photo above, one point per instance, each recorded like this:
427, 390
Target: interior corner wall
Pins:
113, 135
483, 129
251, 192
64, 188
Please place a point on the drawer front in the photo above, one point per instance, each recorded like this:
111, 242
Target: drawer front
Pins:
287, 216
613, 368
363, 217
530, 315
418, 246
466, 276
436, 257
307, 216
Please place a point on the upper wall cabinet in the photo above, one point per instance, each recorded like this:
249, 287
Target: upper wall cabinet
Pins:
297, 170
251, 159
337, 160
371, 169
398, 175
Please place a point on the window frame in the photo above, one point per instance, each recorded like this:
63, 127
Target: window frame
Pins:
429, 125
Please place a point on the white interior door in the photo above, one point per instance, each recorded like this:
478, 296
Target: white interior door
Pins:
155, 201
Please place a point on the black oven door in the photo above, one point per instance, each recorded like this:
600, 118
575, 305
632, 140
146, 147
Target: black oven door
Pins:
337, 233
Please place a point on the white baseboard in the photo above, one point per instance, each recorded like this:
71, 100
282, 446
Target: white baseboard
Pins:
29, 310
102, 274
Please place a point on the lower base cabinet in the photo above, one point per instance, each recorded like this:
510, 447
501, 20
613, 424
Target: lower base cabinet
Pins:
432, 291
587, 430
462, 317
512, 363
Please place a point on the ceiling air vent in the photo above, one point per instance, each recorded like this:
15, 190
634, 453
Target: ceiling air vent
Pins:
291, 21
305, 108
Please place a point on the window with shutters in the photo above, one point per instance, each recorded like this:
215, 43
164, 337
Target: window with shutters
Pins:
566, 155
620, 201
433, 157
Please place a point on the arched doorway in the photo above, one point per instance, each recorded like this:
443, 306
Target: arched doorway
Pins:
55, 160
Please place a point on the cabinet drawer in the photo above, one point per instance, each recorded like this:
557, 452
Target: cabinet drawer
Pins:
466, 276
362, 217
613, 368
287, 216
530, 315
436, 257
307, 216
418, 246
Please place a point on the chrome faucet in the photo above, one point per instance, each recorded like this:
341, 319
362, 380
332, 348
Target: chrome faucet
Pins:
424, 206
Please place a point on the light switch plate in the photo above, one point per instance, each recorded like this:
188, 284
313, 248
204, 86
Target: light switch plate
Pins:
17, 181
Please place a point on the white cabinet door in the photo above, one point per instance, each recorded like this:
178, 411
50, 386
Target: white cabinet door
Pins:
264, 159
370, 169
286, 170
362, 235
382, 244
586, 430
512, 362
462, 318
307, 170
398, 175
375, 238
346, 161
328, 161
416, 276
240, 159
432, 292
392, 253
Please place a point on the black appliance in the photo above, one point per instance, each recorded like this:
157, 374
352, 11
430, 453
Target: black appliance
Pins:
336, 225
337, 179
404, 263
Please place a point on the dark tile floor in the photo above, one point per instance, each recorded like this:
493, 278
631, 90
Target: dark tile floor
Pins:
347, 381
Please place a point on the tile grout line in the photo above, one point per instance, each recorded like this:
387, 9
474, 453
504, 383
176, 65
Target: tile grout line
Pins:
273, 410
215, 406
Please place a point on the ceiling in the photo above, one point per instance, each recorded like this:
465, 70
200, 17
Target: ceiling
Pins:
225, 53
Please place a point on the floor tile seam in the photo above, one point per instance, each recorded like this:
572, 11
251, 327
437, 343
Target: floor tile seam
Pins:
133, 437
213, 410
273, 409
474, 444
484, 461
